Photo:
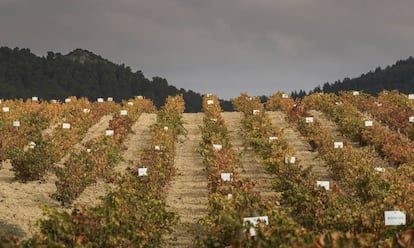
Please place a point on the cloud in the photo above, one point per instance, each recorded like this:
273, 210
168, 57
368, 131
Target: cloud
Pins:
220, 46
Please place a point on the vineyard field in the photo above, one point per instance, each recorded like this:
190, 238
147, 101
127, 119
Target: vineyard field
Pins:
286, 173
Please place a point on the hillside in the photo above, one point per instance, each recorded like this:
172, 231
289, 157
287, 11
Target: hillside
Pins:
82, 73
399, 76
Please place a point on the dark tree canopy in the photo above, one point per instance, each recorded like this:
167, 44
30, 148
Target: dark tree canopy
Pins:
399, 76
83, 74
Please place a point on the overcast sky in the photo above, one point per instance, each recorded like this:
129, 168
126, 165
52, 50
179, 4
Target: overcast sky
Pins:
221, 46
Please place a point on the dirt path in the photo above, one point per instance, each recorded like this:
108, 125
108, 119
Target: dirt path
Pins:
19, 208
251, 168
139, 139
303, 150
93, 132
136, 141
332, 127
188, 193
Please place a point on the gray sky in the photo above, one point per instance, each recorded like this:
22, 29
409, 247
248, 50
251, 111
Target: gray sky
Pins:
221, 46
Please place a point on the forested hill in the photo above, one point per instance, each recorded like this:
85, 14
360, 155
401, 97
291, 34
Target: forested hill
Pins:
83, 74
399, 76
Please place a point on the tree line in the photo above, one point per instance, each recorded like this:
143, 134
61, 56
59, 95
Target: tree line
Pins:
82, 73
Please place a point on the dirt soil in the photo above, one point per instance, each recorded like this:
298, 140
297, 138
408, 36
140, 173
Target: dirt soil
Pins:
303, 150
19, 208
250, 167
188, 192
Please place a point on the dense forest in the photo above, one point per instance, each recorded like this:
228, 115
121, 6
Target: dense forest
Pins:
82, 73
399, 76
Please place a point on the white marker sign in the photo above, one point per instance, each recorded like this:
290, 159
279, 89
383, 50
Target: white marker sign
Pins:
410, 96
53, 101
130, 103
256, 111
272, 138
109, 132
285, 96
411, 119
210, 102
32, 145
66, 126
355, 93
166, 128
110, 99
16, 123
6, 109
123, 112
324, 184
379, 169
339, 144
86, 110
100, 99
142, 172
140, 97
338, 103
308, 119
67, 100
368, 123
157, 148
254, 221
217, 147
226, 177
35, 99
290, 160
394, 218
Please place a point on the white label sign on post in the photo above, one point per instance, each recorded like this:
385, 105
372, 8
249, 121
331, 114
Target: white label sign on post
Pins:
66, 126
123, 112
6, 109
290, 160
272, 138
67, 100
35, 99
100, 99
86, 110
226, 177
324, 184
254, 221
338, 103
308, 119
142, 172
110, 99
32, 145
256, 111
109, 132
210, 102
217, 147
157, 148
410, 96
166, 128
355, 93
368, 123
53, 101
285, 95
338, 144
380, 169
16, 123
394, 218
411, 119
130, 103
